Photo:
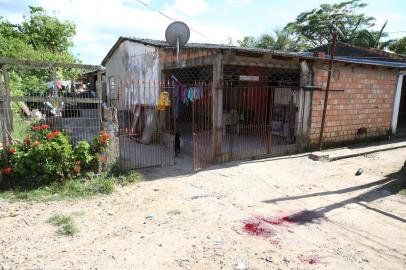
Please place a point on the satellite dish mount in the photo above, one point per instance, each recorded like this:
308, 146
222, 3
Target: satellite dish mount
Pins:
177, 35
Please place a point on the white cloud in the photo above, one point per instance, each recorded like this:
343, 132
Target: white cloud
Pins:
189, 7
99, 23
237, 2
392, 19
394, 22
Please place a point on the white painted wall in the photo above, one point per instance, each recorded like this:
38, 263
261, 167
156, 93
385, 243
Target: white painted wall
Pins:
135, 68
396, 102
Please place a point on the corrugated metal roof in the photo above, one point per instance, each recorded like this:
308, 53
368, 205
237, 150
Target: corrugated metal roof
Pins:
304, 55
367, 61
164, 44
349, 50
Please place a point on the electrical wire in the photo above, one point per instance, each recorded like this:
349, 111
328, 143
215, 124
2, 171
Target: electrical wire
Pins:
168, 17
401, 31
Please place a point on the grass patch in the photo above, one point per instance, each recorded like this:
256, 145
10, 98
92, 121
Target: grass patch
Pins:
20, 126
59, 220
64, 223
174, 212
88, 186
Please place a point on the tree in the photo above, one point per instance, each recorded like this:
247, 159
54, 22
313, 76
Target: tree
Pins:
280, 40
248, 42
314, 27
371, 38
398, 46
39, 37
42, 31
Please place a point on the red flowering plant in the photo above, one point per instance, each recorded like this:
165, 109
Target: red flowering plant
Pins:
43, 157
92, 156
47, 156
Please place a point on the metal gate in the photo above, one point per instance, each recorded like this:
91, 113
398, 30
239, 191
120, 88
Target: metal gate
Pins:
146, 127
259, 121
203, 139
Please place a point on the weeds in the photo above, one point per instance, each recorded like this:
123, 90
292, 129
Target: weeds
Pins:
88, 186
174, 212
64, 223
59, 220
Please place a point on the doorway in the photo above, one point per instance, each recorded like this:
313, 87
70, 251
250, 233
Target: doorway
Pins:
401, 120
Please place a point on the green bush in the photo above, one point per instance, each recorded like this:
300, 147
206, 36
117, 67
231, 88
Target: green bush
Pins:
102, 186
47, 156
83, 153
64, 223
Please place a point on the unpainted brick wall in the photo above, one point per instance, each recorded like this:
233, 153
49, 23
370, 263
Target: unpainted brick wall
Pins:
365, 103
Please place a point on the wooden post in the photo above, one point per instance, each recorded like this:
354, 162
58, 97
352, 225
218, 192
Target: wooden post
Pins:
5, 111
330, 71
217, 89
99, 88
55, 92
2, 113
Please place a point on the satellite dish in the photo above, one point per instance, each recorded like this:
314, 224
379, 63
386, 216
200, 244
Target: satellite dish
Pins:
177, 35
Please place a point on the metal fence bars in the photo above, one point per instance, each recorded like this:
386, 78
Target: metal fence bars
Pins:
71, 106
146, 122
260, 121
202, 114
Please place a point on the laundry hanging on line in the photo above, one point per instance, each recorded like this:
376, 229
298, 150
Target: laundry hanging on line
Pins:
192, 94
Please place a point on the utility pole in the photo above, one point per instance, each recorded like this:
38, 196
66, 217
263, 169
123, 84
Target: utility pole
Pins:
330, 68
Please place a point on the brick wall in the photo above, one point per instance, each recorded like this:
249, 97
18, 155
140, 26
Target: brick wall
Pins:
365, 103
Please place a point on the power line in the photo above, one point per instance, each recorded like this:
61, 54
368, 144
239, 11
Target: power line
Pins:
168, 17
402, 31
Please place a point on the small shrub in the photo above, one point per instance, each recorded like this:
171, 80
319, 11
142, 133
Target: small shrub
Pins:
59, 220
46, 157
67, 229
174, 212
101, 186
123, 177
65, 224
83, 153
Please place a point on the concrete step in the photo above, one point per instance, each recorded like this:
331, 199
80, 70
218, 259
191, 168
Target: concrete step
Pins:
353, 151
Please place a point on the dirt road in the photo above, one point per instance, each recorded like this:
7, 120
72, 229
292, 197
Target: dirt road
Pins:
287, 213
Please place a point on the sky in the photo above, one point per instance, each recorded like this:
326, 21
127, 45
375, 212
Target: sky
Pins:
99, 23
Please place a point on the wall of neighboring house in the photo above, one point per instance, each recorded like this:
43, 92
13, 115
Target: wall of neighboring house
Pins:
360, 102
127, 69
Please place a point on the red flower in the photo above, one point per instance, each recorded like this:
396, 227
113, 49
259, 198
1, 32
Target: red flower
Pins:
76, 169
27, 140
39, 127
12, 150
102, 159
104, 136
7, 170
53, 134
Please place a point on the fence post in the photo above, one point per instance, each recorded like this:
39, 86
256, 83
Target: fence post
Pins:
6, 114
217, 91
99, 95
55, 92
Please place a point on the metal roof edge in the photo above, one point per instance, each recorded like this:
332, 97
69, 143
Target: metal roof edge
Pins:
302, 55
111, 51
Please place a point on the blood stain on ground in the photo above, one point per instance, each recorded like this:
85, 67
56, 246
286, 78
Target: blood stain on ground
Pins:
258, 228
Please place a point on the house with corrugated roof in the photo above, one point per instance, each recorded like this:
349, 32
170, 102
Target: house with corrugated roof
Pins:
227, 103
